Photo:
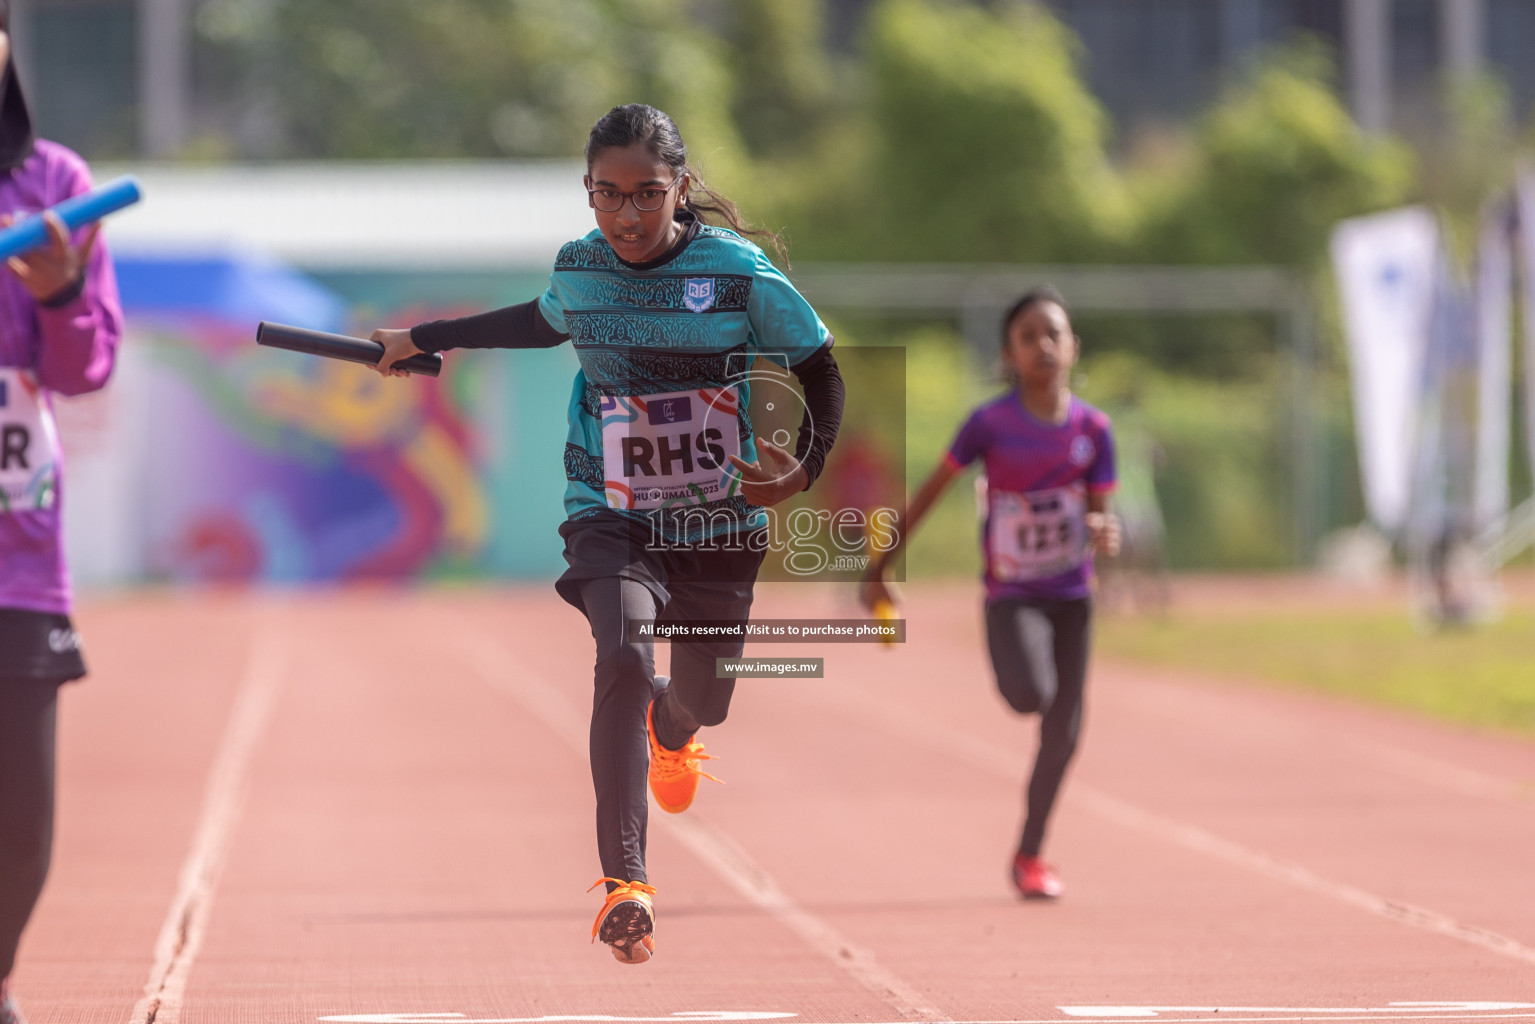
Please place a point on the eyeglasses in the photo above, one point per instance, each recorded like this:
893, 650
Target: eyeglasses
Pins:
646, 200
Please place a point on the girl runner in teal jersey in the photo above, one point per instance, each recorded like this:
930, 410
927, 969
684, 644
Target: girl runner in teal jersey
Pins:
1049, 462
666, 482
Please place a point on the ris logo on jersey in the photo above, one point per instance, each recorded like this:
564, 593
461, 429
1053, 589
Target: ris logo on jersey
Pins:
1082, 450
699, 295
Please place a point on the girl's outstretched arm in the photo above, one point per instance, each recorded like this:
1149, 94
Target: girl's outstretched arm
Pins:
519, 326
873, 590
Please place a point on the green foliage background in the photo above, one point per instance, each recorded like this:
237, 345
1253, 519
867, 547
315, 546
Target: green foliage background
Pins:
950, 131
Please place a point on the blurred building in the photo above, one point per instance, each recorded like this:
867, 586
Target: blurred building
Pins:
1162, 60
106, 77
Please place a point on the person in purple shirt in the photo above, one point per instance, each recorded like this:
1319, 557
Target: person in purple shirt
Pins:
60, 323
1049, 463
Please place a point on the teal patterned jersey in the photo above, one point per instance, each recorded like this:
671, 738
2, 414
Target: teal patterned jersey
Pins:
662, 395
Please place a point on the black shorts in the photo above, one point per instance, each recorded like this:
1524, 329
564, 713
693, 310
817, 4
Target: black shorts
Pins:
607, 544
39, 647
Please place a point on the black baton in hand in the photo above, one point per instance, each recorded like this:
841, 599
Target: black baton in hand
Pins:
341, 346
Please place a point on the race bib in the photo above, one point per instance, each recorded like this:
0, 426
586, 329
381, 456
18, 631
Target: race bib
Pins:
1038, 535
670, 449
29, 444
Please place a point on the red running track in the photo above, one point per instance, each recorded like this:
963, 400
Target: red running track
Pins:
284, 809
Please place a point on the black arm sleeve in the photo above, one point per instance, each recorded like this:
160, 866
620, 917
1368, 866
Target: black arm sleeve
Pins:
824, 395
520, 326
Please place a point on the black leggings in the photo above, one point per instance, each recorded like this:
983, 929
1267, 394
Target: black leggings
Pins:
1039, 652
28, 721
625, 683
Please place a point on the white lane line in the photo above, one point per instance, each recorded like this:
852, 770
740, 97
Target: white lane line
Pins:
1418, 1007
1198, 839
732, 864
1458, 1018
727, 1015
1010, 764
680, 1017
1416, 767
496, 666
1400, 761
181, 935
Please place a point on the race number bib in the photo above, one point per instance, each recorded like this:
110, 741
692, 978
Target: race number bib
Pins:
1038, 535
670, 449
29, 444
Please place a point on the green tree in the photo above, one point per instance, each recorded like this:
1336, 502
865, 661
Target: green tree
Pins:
455, 78
1270, 171
785, 77
1472, 157
988, 146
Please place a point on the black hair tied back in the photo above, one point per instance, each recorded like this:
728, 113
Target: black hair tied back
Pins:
15, 120
634, 123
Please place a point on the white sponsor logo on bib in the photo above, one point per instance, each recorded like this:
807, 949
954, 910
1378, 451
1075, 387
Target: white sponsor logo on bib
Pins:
671, 448
29, 444
1037, 535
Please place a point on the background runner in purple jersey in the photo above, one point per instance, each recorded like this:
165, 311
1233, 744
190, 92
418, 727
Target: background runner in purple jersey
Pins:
1049, 462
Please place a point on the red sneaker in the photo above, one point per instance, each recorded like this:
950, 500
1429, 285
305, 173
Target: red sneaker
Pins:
1035, 879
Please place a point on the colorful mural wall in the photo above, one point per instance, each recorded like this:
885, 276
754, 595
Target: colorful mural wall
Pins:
211, 459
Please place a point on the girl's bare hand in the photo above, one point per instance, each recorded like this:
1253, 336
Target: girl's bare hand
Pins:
397, 345
1103, 532
775, 475
874, 592
54, 267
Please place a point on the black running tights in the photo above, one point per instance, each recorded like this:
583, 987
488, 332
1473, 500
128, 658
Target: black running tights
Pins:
625, 684
1039, 652
28, 717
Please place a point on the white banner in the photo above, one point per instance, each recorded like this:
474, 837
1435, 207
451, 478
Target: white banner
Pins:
1494, 312
1526, 217
1385, 265
1444, 484
107, 452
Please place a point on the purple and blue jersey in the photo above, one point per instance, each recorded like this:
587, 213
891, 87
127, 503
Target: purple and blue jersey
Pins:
1038, 477
65, 349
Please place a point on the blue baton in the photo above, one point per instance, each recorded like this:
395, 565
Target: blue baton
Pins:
75, 212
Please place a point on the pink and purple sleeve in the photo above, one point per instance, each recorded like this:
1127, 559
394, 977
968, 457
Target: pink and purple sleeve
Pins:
80, 336
968, 443
1101, 475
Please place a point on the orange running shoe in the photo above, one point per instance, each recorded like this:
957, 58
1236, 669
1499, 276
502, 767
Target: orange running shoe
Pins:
674, 773
1035, 879
627, 921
